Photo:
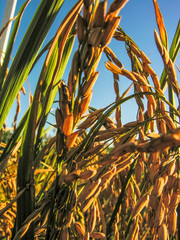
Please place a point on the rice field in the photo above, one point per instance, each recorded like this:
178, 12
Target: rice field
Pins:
95, 178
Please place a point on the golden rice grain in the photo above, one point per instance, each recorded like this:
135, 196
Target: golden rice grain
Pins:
63, 93
169, 122
86, 56
112, 55
109, 120
158, 43
87, 123
118, 117
71, 139
172, 222
121, 149
85, 101
59, 119
68, 125
117, 62
113, 68
120, 167
140, 79
166, 178
80, 229
153, 135
74, 68
159, 214
92, 219
171, 182
139, 89
105, 179
63, 99
133, 231
165, 56
23, 90
87, 12
70, 84
93, 150
116, 5
97, 235
89, 190
140, 115
119, 37
59, 143
87, 174
152, 101
173, 78
87, 236
166, 199
144, 57
135, 50
72, 176
99, 17
140, 205
162, 232
105, 136
110, 30
80, 29
163, 127
153, 202
158, 187
131, 124
128, 74
177, 186
86, 204
138, 172
160, 23
148, 69
95, 113
150, 110
89, 84
157, 83
95, 36
116, 89
170, 168
174, 201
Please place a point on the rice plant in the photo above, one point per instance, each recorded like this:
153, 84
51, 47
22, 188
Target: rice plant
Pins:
95, 178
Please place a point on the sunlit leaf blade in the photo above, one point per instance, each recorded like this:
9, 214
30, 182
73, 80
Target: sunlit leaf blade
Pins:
45, 48
175, 46
4, 67
163, 36
173, 52
160, 23
26, 54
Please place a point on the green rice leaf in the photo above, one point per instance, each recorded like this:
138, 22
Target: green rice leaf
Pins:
4, 67
173, 52
27, 54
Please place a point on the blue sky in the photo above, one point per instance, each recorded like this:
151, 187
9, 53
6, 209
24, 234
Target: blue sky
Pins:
138, 21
